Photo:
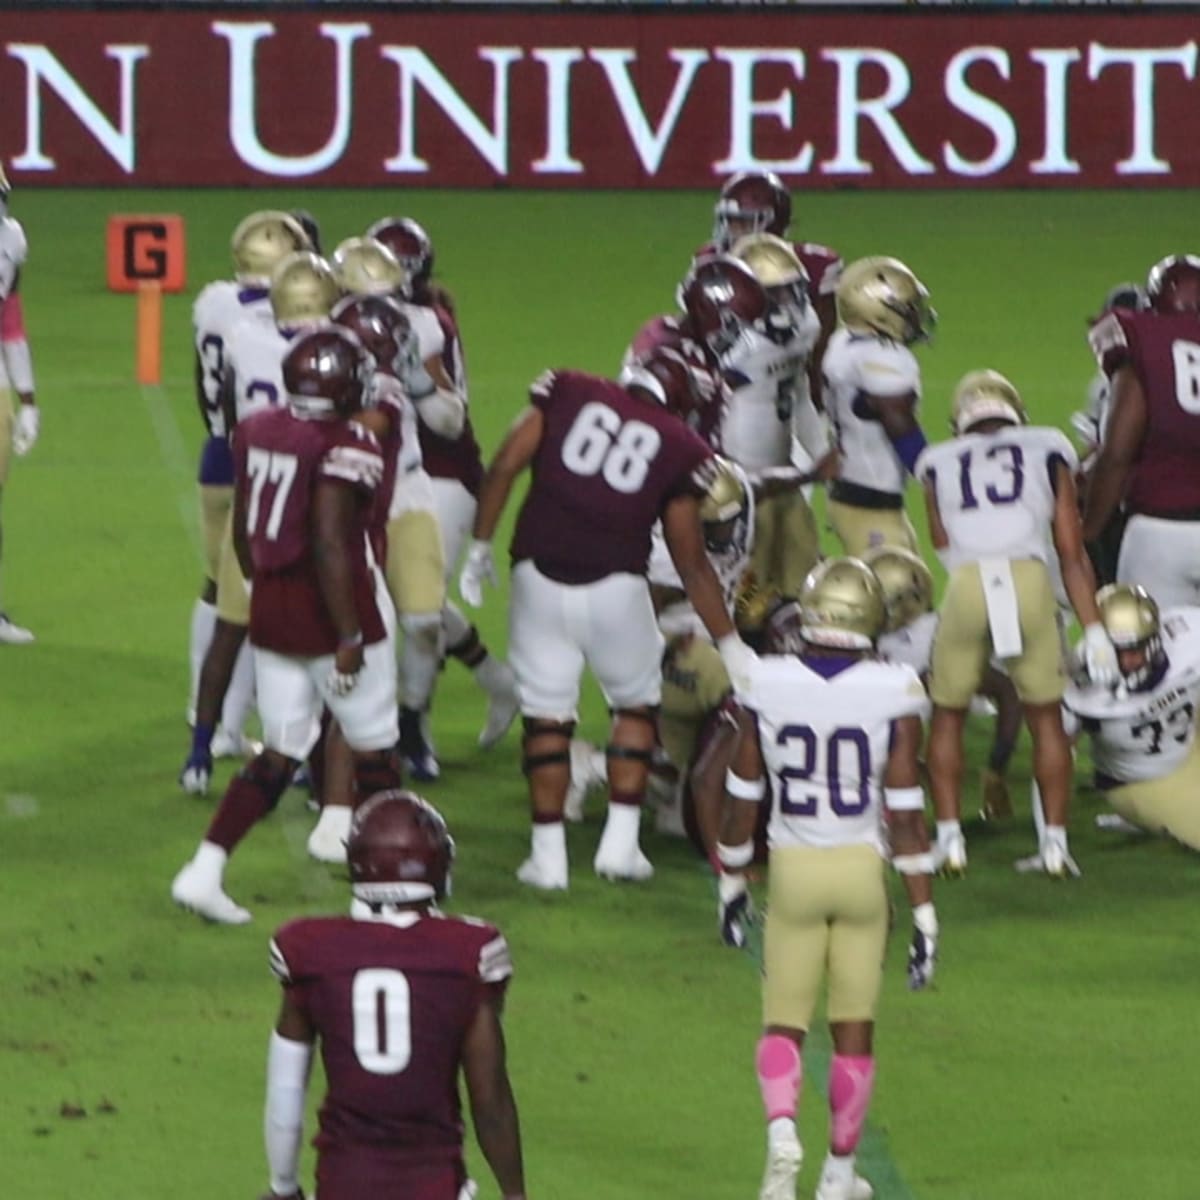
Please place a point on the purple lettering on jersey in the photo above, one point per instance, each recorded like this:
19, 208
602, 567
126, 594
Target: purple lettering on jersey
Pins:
829, 665
606, 466
216, 463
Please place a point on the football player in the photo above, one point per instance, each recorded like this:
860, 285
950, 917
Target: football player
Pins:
607, 461
19, 428
907, 638
1143, 735
721, 300
301, 293
872, 389
758, 202
834, 740
306, 475
770, 411
992, 493
1152, 439
454, 464
403, 998
259, 242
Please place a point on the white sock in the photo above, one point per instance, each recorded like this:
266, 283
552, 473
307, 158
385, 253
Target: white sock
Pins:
335, 819
839, 1167
419, 661
1056, 835
782, 1129
209, 860
947, 830
239, 696
204, 620
621, 829
1039, 813
549, 843
455, 624
493, 675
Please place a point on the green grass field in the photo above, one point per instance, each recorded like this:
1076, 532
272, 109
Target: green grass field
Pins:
1057, 1056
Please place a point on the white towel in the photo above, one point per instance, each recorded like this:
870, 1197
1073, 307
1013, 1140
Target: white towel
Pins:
1000, 596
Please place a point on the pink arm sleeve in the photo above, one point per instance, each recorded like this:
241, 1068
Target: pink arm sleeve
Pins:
12, 319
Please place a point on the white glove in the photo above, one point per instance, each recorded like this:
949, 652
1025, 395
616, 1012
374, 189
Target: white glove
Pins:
1099, 657
739, 662
418, 383
29, 420
477, 567
735, 909
922, 950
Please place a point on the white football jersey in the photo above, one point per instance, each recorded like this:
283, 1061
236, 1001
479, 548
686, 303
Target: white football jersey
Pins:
14, 250
1146, 735
431, 337
255, 355
412, 489
825, 743
218, 308
857, 364
912, 644
730, 565
995, 491
768, 382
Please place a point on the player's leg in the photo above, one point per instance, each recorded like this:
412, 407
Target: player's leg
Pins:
10, 633
1161, 556
455, 508
548, 664
233, 607
623, 646
995, 802
291, 710
957, 664
797, 541
859, 529
795, 946
215, 505
857, 940
1169, 805
416, 581
327, 841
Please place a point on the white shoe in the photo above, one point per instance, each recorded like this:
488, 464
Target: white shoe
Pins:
635, 867
200, 895
538, 874
783, 1165
1035, 864
13, 635
234, 745
503, 706
327, 842
1112, 822
839, 1181
588, 770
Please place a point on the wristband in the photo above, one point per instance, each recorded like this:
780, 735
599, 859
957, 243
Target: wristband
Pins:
914, 864
351, 642
734, 858
910, 799
745, 789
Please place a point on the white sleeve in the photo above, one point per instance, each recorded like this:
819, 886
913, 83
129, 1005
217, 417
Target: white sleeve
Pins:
288, 1064
811, 428
18, 364
495, 960
443, 411
888, 369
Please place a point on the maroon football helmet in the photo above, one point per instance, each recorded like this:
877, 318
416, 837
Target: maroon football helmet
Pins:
379, 323
326, 372
1174, 284
721, 298
751, 202
783, 629
399, 850
666, 377
409, 242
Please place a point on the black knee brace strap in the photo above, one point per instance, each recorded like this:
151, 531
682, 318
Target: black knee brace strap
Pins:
537, 727
629, 752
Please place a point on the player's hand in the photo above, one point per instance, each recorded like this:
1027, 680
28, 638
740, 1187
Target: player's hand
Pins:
417, 381
1099, 656
347, 666
478, 567
739, 662
922, 950
735, 908
28, 426
196, 773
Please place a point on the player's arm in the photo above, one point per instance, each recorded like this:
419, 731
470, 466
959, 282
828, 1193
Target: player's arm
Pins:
938, 536
825, 306
898, 417
227, 399
493, 1105
905, 800
333, 512
18, 364
443, 409
745, 789
289, 1057
1122, 443
199, 374
514, 456
241, 534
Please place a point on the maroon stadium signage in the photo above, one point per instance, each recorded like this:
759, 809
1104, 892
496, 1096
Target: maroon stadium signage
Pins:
553, 98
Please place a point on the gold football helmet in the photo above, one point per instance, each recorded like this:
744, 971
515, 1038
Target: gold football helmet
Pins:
773, 260
843, 604
881, 295
907, 584
1130, 617
261, 240
725, 499
985, 396
303, 290
365, 267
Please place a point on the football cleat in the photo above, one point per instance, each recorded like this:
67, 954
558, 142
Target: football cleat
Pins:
632, 867
196, 774
546, 876
234, 745
1035, 864
996, 803
783, 1165
202, 895
503, 706
12, 634
1112, 822
1056, 858
415, 750
327, 842
857, 1188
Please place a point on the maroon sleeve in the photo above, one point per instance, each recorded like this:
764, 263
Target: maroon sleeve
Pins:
290, 960
354, 458
542, 389
1113, 339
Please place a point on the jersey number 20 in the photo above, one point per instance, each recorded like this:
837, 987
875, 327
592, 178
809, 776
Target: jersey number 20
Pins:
599, 442
845, 740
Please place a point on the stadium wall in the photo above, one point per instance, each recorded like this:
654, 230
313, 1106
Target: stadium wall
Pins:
560, 97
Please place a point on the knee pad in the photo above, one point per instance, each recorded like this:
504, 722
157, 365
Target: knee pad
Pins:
537, 727
425, 627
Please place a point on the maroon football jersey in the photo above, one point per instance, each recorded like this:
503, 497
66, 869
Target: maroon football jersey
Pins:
606, 466
453, 458
707, 418
391, 999
822, 265
279, 459
1164, 351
